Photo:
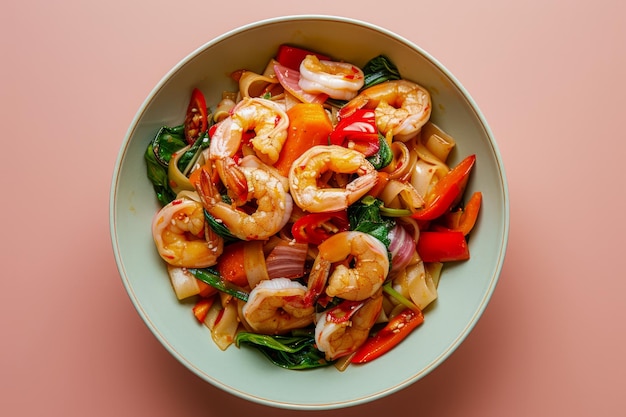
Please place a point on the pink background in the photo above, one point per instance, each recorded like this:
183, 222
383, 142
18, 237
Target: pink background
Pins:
549, 77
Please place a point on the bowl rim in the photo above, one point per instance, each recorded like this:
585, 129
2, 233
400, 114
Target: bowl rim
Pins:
472, 103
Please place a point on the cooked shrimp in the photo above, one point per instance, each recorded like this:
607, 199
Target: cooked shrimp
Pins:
306, 171
362, 269
269, 122
339, 80
402, 107
254, 162
181, 238
265, 188
277, 306
342, 329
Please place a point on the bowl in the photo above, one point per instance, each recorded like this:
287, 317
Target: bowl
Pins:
464, 290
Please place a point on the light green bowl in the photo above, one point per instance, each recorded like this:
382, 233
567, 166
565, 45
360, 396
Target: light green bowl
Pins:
464, 290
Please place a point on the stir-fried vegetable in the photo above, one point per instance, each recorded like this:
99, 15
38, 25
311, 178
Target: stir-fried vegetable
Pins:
219, 227
190, 156
309, 126
231, 266
357, 131
201, 308
292, 56
166, 142
447, 192
384, 156
378, 70
290, 352
196, 118
287, 259
445, 246
214, 279
314, 228
464, 218
396, 330
365, 217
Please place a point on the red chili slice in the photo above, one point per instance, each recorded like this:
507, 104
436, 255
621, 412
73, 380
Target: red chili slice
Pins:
396, 330
196, 121
357, 131
315, 228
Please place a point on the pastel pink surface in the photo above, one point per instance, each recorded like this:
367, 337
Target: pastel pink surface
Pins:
547, 75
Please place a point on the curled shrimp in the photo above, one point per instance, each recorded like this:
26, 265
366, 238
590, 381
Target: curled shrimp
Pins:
277, 306
402, 107
265, 189
341, 330
361, 266
181, 237
339, 80
307, 170
269, 122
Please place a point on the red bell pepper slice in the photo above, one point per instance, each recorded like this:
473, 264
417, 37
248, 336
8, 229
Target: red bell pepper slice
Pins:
442, 246
315, 228
447, 192
396, 330
201, 308
292, 56
196, 121
357, 131
464, 219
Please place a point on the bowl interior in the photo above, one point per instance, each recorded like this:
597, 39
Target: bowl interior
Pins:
464, 290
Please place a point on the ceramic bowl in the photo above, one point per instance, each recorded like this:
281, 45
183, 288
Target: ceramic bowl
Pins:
464, 290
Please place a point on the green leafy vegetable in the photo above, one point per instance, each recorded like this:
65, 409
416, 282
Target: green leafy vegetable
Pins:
365, 216
157, 156
290, 352
213, 278
378, 70
166, 142
157, 174
186, 161
335, 102
375, 71
384, 156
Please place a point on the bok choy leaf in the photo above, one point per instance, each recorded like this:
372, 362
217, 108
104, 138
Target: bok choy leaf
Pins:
365, 216
384, 156
157, 156
190, 156
290, 352
378, 70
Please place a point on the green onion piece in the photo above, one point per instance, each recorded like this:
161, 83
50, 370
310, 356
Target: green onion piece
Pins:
214, 279
219, 227
392, 212
399, 297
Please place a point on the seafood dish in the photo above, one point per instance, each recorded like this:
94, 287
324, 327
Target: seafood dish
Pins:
310, 213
